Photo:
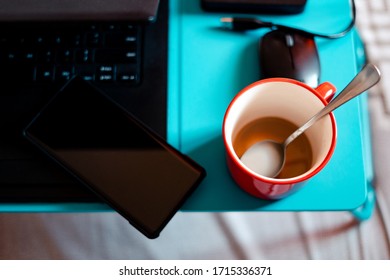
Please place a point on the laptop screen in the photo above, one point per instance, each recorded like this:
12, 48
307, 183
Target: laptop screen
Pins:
68, 10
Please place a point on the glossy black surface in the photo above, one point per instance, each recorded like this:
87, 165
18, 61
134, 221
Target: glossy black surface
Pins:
130, 167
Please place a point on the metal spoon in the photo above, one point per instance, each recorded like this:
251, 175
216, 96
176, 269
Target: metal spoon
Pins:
268, 157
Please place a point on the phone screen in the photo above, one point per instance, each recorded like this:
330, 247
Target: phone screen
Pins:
129, 166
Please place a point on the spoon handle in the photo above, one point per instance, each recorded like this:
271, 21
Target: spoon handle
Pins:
364, 80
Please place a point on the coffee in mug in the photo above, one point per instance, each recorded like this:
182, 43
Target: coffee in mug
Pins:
299, 155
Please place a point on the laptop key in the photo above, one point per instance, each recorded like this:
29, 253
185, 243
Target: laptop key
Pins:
127, 40
41, 41
93, 39
45, 73
64, 73
45, 56
87, 72
17, 73
84, 56
105, 73
127, 74
115, 56
65, 56
76, 40
29, 57
11, 56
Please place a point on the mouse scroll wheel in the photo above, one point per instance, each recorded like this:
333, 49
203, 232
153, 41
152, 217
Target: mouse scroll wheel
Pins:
289, 40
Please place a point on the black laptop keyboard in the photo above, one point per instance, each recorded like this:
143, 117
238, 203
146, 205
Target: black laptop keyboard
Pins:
51, 53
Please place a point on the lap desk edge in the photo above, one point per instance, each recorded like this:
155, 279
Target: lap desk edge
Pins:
202, 82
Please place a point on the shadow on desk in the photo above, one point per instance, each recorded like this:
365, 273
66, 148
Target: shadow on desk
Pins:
218, 189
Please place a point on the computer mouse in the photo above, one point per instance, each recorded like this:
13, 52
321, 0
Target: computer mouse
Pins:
289, 55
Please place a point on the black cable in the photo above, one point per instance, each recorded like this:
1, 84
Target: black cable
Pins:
244, 24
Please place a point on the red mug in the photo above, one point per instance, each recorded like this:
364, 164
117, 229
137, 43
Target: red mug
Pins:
289, 100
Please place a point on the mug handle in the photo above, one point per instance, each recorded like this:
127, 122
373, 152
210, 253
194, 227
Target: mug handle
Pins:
326, 90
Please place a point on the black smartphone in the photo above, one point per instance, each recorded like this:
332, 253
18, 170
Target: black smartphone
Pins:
130, 167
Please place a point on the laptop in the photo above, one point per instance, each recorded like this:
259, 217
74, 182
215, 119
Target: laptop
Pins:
119, 45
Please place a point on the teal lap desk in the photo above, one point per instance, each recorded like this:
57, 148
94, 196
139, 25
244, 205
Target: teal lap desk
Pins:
208, 66
212, 65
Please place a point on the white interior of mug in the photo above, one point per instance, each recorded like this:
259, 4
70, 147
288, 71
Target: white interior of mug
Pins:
287, 101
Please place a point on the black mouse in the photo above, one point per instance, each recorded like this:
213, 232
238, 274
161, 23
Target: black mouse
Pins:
289, 55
